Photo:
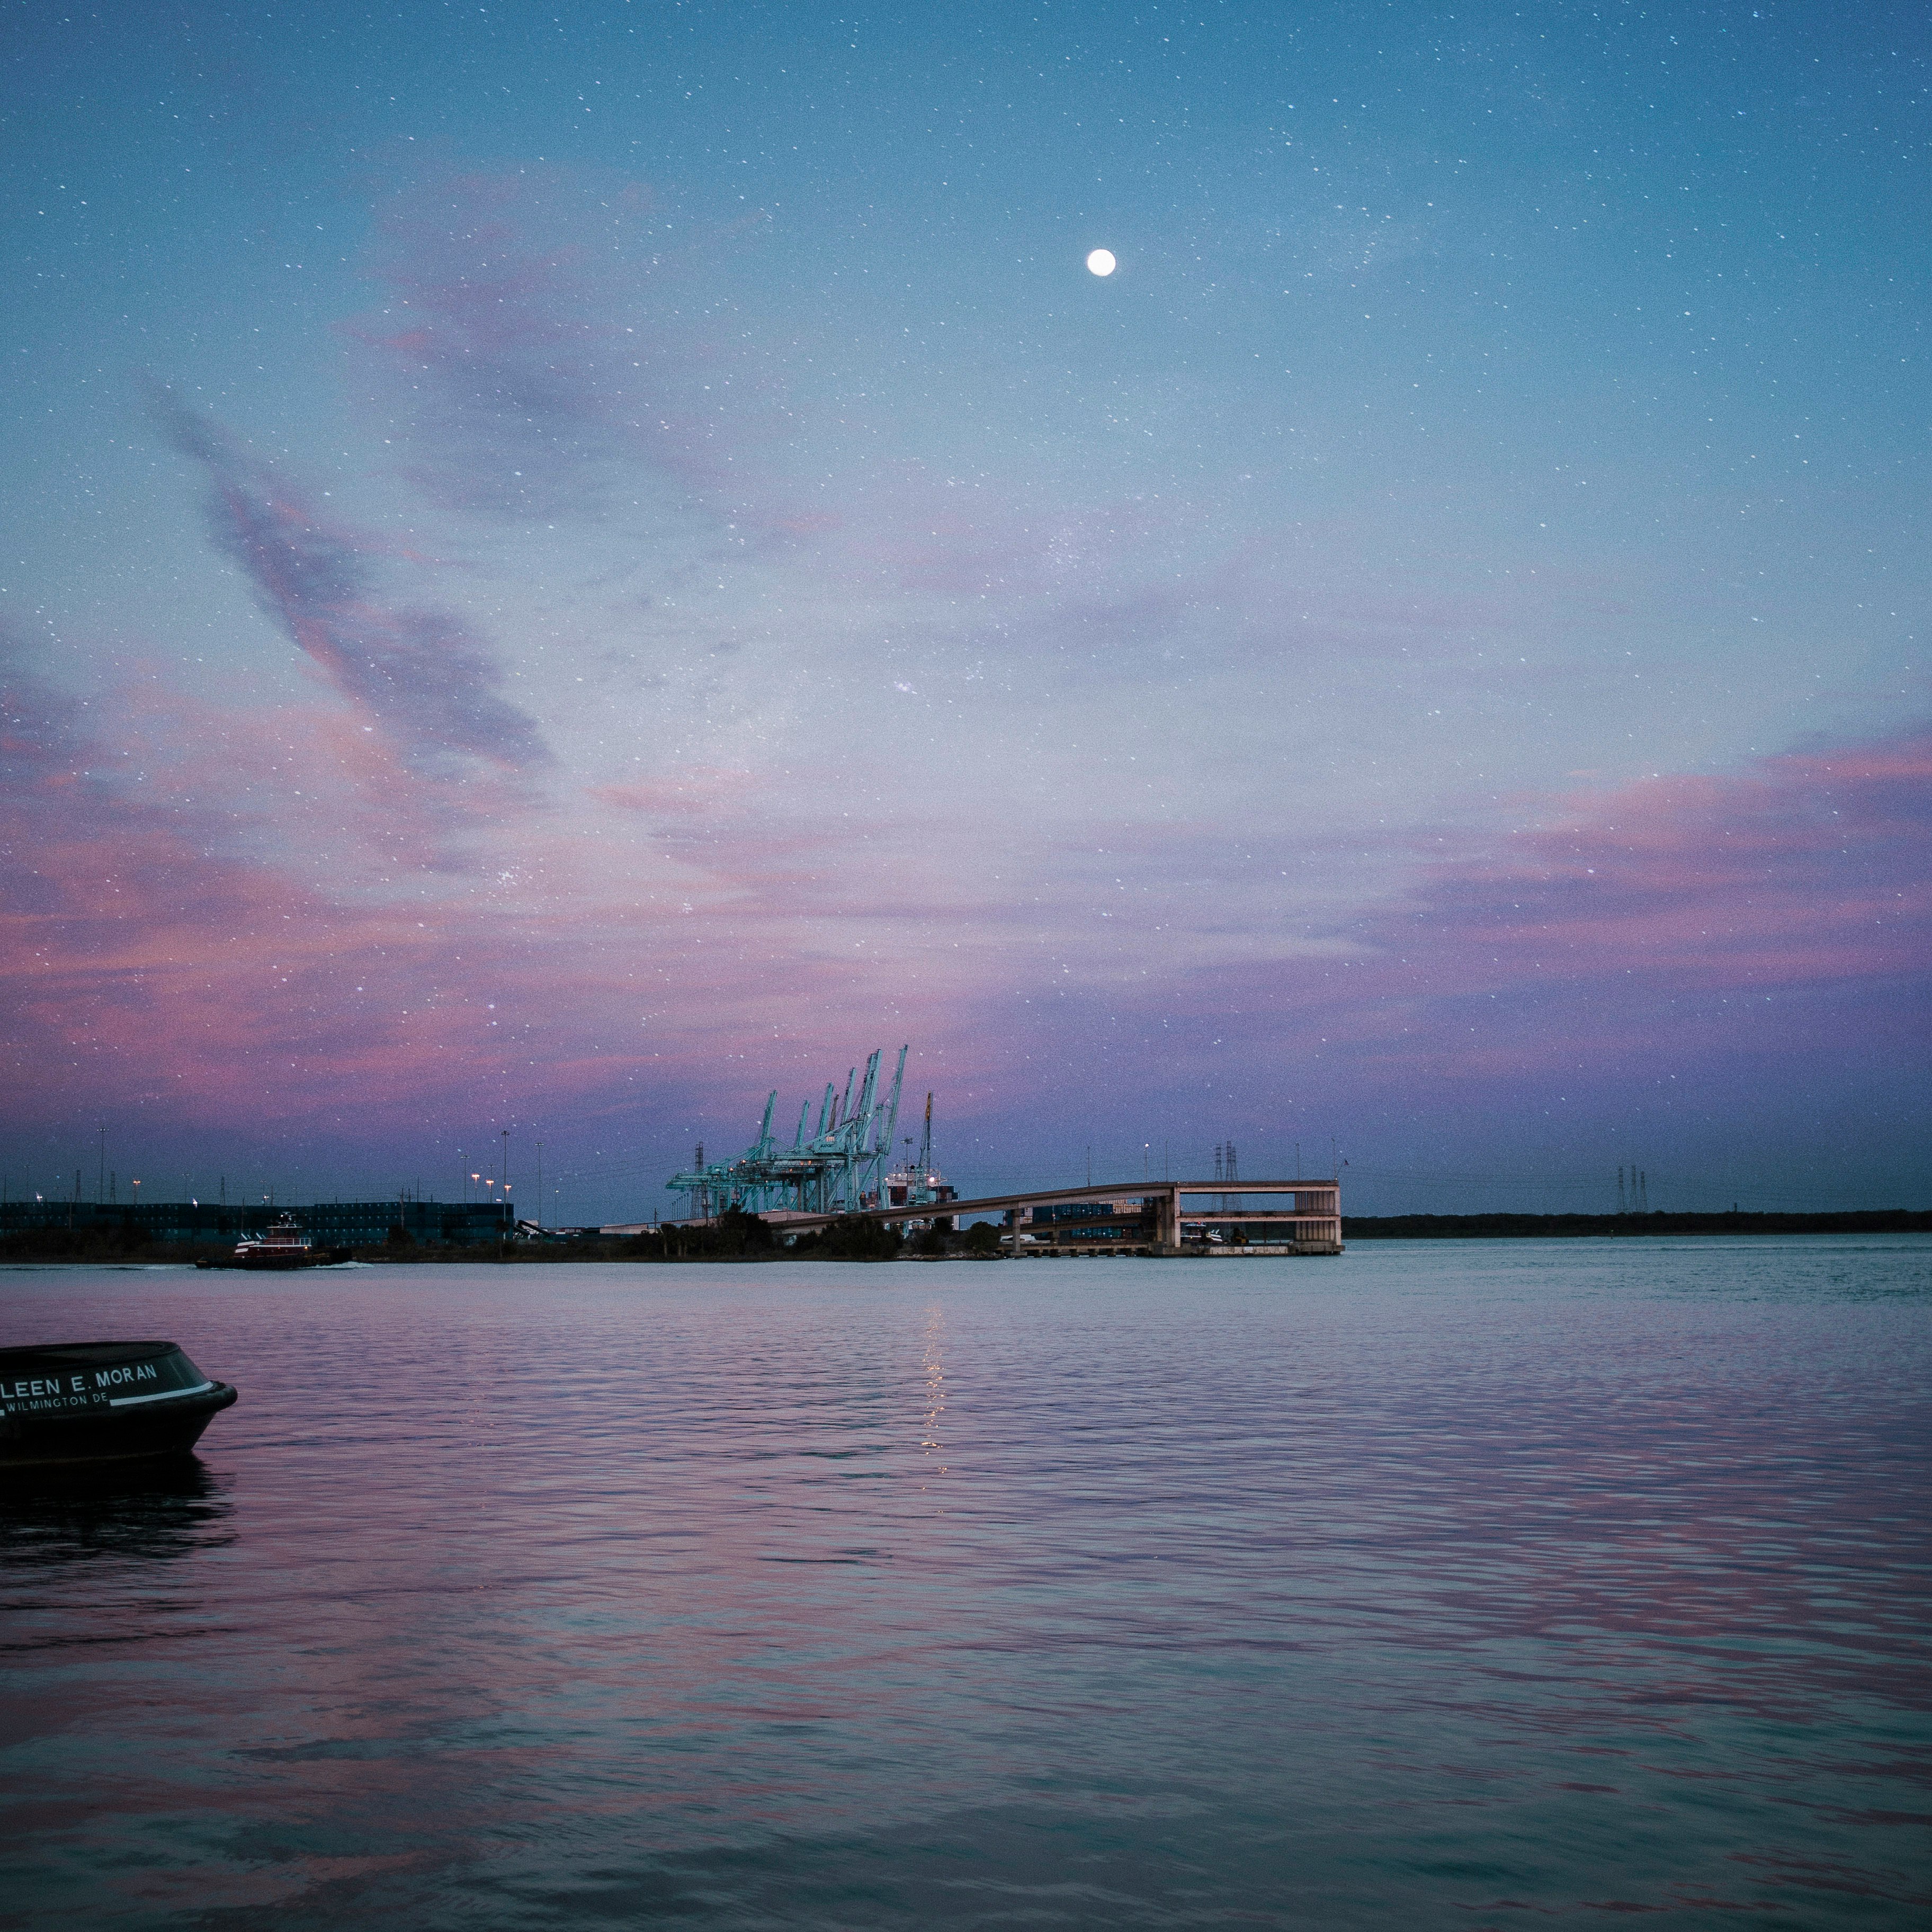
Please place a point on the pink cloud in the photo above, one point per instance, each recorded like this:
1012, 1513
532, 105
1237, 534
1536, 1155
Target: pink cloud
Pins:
147, 963
1812, 867
1764, 934
703, 932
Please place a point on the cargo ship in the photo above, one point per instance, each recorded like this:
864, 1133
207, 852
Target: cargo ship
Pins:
102, 1401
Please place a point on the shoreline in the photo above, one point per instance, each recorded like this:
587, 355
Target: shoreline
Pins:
1361, 1227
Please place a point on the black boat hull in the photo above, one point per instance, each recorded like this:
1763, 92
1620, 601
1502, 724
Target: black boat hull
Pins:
168, 1429
283, 1265
70, 1403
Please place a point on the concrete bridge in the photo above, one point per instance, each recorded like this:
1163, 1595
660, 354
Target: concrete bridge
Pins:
1311, 1223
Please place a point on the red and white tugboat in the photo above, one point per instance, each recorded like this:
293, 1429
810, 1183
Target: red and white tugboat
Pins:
284, 1245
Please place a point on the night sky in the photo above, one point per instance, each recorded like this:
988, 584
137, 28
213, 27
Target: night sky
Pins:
564, 567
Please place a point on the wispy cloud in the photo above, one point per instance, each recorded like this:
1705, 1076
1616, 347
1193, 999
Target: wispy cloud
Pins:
435, 688
530, 353
1814, 866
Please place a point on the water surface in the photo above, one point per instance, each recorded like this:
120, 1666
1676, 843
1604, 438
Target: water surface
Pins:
1443, 1584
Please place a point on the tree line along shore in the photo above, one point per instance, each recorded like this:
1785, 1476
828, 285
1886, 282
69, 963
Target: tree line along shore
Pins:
739, 1236
1494, 1227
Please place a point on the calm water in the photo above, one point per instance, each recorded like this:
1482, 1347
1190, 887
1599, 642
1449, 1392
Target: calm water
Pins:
1439, 1585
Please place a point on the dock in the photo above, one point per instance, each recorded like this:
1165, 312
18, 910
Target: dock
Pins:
1170, 1219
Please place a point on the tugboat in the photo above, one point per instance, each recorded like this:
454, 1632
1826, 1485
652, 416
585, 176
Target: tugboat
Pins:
102, 1401
283, 1246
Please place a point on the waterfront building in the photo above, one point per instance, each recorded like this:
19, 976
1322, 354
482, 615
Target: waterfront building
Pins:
329, 1224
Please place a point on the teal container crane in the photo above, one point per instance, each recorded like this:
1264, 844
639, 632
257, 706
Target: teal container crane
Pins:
842, 1167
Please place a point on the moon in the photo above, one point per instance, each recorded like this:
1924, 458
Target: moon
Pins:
1102, 263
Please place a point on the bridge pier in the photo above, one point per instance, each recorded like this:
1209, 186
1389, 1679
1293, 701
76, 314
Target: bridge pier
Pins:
1167, 1221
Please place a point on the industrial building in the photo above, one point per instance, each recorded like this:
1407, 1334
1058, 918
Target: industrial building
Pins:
1173, 1218
329, 1224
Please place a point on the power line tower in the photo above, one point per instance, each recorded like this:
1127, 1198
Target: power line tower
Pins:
1227, 1169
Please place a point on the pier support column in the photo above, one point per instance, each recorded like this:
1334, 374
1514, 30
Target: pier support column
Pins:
1167, 1221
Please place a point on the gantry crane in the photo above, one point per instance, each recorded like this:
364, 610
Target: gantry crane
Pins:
835, 1171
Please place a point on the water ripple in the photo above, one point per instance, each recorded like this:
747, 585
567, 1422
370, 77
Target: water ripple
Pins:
1436, 1585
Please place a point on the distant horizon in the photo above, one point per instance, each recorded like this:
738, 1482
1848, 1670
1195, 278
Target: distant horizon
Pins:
1386, 1195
